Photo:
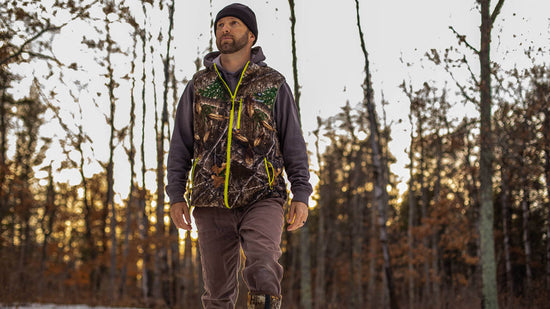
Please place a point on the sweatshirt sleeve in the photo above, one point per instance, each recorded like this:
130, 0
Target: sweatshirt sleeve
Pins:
181, 147
292, 144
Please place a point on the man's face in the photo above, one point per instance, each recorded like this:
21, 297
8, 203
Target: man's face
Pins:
232, 35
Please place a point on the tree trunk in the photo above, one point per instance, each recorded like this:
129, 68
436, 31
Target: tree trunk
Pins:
373, 249
3, 150
305, 262
488, 263
424, 214
332, 234
175, 269
411, 220
160, 261
50, 211
198, 265
88, 215
162, 249
547, 176
174, 234
357, 252
473, 211
129, 218
526, 238
380, 173
132, 159
189, 272
144, 219
356, 213
305, 268
21, 188
505, 178
294, 58
525, 200
110, 202
435, 235
293, 246
3, 130
381, 199
319, 299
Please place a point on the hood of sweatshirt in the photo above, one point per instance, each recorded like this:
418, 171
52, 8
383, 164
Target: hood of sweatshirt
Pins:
256, 56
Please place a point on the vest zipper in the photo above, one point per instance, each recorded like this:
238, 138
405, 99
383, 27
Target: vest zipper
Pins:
230, 130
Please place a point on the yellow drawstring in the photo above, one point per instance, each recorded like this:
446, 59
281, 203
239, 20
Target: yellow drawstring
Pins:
270, 179
239, 115
190, 183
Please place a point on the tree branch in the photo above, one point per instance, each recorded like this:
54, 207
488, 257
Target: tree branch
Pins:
27, 42
462, 39
463, 90
48, 28
39, 55
472, 75
496, 11
294, 57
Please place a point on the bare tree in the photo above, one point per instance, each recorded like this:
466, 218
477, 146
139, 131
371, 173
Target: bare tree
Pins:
5, 120
37, 24
320, 278
109, 167
143, 216
131, 153
486, 220
505, 171
305, 261
542, 94
162, 282
380, 172
412, 209
546, 100
421, 105
488, 263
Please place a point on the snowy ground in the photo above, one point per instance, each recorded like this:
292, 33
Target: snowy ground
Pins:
53, 306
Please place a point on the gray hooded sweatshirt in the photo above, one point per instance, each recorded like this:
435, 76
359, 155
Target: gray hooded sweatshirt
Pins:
290, 136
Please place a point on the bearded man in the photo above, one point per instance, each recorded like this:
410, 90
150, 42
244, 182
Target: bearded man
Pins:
236, 129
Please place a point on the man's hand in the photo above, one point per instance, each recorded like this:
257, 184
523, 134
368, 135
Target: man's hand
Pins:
297, 215
179, 212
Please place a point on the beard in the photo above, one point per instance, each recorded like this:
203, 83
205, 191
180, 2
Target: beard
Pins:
232, 46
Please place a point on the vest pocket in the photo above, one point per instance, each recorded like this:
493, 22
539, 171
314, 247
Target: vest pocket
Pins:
270, 176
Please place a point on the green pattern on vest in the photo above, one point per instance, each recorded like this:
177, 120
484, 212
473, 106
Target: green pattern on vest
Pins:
256, 162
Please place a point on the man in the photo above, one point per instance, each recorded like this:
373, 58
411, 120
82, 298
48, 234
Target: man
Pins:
237, 126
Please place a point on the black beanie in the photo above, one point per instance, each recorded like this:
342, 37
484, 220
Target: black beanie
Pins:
242, 12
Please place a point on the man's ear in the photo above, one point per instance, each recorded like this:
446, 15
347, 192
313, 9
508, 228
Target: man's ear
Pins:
251, 36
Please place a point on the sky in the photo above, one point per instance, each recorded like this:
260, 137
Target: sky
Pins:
330, 62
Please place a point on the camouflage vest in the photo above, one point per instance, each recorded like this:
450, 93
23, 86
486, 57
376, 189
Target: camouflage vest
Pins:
237, 158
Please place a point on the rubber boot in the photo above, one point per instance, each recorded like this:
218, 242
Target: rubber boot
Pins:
263, 301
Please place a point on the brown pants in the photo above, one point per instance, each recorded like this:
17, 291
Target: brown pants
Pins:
222, 232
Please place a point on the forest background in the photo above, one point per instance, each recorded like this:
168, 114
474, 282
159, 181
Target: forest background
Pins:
430, 152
